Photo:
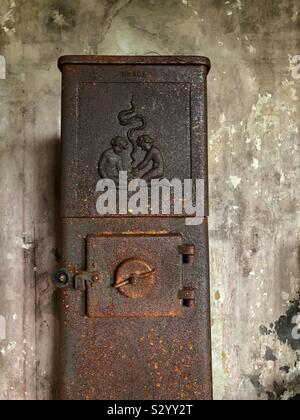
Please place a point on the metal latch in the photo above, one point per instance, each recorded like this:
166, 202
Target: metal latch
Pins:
63, 278
133, 284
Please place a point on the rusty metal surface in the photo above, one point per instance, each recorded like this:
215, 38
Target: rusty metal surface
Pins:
135, 318
134, 60
105, 106
119, 256
135, 358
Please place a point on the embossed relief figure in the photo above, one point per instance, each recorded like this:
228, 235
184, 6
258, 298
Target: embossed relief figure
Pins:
153, 156
111, 162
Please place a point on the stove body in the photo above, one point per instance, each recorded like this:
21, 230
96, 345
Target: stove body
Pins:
134, 290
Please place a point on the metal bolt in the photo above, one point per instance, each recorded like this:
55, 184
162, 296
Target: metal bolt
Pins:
96, 278
62, 278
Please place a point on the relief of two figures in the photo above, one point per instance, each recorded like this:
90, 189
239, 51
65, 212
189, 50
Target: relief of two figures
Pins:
112, 160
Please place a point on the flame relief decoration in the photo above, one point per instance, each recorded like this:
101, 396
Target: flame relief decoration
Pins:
111, 160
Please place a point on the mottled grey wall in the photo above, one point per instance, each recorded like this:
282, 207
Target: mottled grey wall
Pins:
254, 119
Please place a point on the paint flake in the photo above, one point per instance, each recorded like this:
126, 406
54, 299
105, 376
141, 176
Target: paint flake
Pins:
255, 163
235, 181
2, 328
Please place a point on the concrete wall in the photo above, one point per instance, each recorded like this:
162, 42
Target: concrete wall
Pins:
254, 116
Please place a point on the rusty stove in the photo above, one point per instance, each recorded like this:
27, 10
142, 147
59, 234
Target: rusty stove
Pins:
134, 290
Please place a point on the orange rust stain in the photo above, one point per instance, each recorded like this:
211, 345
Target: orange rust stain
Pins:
142, 232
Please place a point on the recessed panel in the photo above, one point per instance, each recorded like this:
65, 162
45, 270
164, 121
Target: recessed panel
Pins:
150, 264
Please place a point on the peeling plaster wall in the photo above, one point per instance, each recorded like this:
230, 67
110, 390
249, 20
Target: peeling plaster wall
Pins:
254, 116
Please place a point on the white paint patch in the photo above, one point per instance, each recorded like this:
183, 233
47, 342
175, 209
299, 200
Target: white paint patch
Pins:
2, 328
222, 118
7, 19
2, 68
59, 19
232, 130
239, 4
15, 317
258, 144
294, 92
285, 296
251, 49
295, 16
255, 163
11, 346
264, 99
20, 242
235, 181
290, 87
282, 177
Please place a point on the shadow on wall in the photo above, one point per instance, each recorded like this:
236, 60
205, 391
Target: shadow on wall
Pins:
47, 259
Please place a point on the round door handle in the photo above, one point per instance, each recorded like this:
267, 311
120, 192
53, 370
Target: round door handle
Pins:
135, 278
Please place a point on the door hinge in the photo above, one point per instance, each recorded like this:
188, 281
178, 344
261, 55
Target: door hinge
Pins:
188, 296
188, 253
